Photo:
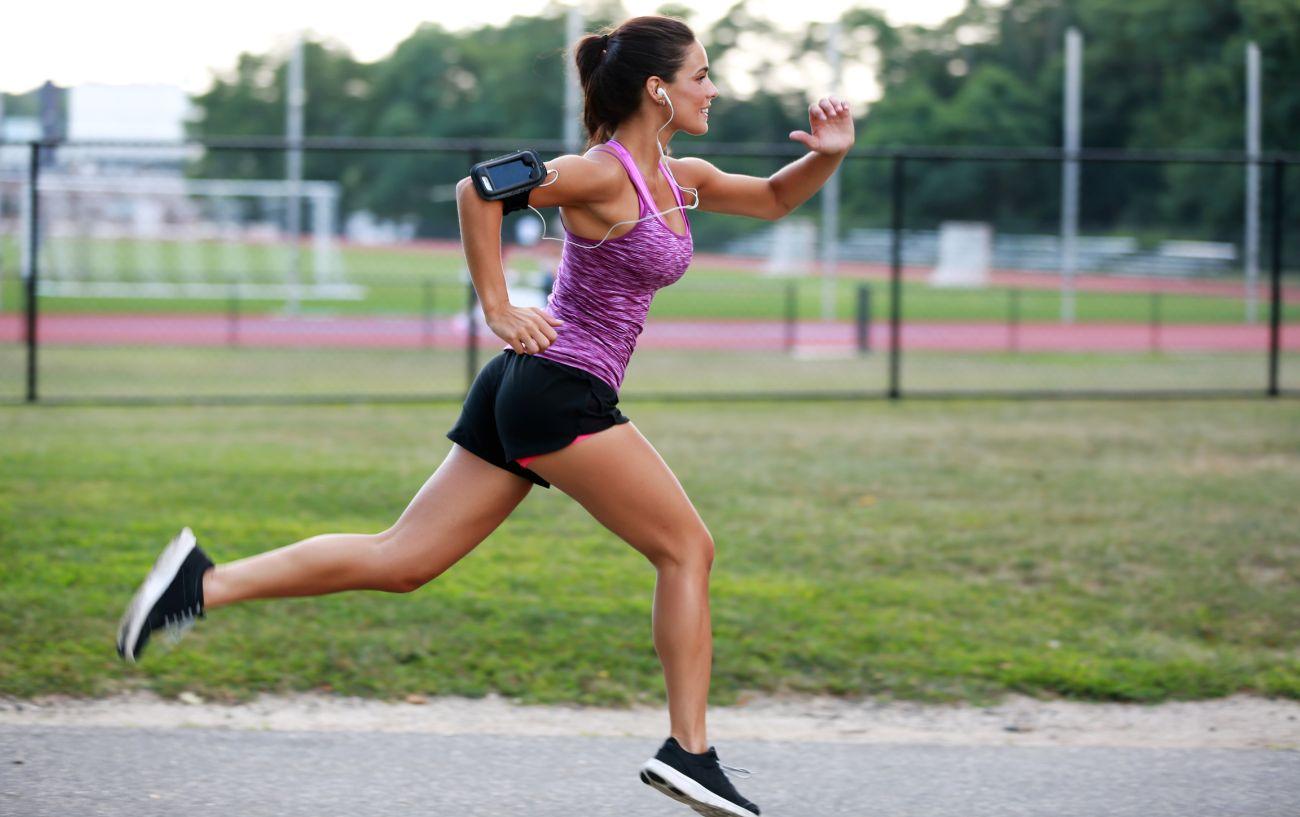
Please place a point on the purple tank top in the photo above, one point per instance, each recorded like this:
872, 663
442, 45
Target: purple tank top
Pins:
603, 295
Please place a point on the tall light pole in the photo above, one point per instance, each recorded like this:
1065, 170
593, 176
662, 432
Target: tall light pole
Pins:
572, 31
293, 166
1252, 180
1070, 168
831, 191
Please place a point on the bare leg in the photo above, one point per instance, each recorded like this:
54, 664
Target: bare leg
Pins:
683, 637
623, 482
460, 504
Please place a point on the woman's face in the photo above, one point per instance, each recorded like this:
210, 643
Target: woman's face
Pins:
692, 93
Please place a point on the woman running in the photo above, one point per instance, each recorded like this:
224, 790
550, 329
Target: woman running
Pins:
545, 411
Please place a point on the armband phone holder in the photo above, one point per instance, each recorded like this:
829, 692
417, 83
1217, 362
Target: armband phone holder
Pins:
509, 178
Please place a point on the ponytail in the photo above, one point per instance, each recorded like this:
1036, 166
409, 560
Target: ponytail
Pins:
613, 67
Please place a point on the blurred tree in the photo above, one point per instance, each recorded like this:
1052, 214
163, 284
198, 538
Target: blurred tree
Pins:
1157, 74
251, 102
24, 104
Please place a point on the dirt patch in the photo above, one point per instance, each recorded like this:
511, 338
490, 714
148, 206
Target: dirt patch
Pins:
1239, 721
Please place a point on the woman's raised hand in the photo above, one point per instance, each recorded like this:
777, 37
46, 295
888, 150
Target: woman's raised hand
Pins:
831, 125
526, 328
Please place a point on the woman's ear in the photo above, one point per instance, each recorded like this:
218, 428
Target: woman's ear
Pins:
655, 87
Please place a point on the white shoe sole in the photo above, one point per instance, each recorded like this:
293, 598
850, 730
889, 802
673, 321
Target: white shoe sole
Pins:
155, 584
683, 789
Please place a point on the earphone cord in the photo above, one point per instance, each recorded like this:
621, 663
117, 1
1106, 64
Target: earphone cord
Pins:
695, 192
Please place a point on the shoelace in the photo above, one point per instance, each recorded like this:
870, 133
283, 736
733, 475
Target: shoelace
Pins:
176, 626
747, 772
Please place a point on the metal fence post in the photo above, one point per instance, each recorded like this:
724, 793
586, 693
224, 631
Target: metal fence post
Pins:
896, 277
864, 318
1013, 319
33, 264
1275, 297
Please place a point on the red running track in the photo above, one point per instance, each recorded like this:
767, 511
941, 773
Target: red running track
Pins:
372, 332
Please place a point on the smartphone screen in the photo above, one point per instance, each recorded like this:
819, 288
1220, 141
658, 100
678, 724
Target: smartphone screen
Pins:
508, 175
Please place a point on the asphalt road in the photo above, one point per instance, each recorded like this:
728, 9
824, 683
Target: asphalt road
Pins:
71, 771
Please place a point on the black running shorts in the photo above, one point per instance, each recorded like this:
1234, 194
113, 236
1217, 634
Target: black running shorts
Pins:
522, 406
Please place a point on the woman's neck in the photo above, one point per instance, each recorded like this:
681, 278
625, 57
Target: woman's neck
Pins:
641, 144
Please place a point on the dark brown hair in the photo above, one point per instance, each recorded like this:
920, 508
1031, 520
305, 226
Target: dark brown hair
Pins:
613, 67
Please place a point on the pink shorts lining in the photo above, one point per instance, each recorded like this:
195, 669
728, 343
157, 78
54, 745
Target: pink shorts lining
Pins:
523, 461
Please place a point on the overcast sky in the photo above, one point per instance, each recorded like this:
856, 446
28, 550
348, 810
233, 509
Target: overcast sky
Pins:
174, 42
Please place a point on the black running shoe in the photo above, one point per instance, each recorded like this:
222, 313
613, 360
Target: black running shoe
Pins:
696, 780
170, 598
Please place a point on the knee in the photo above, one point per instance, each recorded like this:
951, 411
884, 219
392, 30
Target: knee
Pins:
398, 571
692, 551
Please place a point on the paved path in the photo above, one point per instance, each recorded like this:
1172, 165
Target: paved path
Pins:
59, 771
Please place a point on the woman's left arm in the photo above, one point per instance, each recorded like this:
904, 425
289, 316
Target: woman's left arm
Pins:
779, 194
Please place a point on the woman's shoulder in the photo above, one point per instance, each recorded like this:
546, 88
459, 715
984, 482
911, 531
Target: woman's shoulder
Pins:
602, 159
689, 171
604, 154
580, 180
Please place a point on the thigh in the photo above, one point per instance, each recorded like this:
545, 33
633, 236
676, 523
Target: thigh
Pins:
457, 507
621, 480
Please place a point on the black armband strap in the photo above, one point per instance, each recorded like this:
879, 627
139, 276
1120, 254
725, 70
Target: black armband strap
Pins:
508, 178
518, 201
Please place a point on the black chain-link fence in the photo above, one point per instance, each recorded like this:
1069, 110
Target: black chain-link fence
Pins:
168, 273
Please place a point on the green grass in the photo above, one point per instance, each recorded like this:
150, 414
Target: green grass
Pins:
182, 372
77, 372
930, 551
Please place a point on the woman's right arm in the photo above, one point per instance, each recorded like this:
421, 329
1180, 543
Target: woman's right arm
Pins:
527, 329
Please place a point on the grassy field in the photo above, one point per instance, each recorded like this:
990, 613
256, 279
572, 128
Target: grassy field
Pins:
934, 551
408, 282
